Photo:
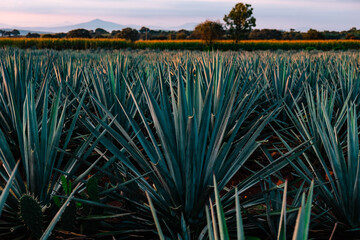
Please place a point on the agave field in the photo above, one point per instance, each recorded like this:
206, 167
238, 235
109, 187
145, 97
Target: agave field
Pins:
179, 145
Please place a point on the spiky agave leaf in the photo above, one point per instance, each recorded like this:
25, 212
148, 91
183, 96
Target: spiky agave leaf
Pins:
198, 126
5, 192
334, 136
41, 135
302, 226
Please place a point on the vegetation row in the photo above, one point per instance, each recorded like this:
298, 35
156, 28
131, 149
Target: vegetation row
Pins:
200, 45
179, 145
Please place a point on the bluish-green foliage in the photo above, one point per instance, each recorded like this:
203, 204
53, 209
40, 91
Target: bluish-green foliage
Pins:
128, 143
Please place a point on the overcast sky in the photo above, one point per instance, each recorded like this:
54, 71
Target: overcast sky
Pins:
280, 14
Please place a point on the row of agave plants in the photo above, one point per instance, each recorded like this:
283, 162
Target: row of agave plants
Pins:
179, 145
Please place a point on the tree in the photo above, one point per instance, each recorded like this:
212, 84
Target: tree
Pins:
182, 34
171, 36
15, 32
313, 34
2, 32
59, 35
353, 29
240, 20
7, 33
115, 32
128, 34
32, 35
292, 35
78, 33
100, 32
350, 36
265, 34
145, 30
209, 31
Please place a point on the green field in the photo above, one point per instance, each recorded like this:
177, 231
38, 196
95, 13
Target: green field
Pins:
200, 45
179, 144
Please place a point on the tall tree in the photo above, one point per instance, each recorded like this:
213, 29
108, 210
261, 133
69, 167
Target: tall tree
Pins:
209, 31
240, 20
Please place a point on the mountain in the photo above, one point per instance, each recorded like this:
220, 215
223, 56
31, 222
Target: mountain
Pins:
92, 25
110, 26
186, 26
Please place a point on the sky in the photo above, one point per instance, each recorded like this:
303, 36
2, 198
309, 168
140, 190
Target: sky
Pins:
279, 14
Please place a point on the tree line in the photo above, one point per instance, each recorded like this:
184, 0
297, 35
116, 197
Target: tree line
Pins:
8, 33
214, 32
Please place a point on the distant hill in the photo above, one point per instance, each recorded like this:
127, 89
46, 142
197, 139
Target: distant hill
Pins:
92, 25
186, 26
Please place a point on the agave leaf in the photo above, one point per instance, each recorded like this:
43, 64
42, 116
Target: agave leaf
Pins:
239, 221
57, 217
301, 230
336, 150
282, 224
184, 135
103, 217
209, 221
5, 192
224, 234
153, 211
